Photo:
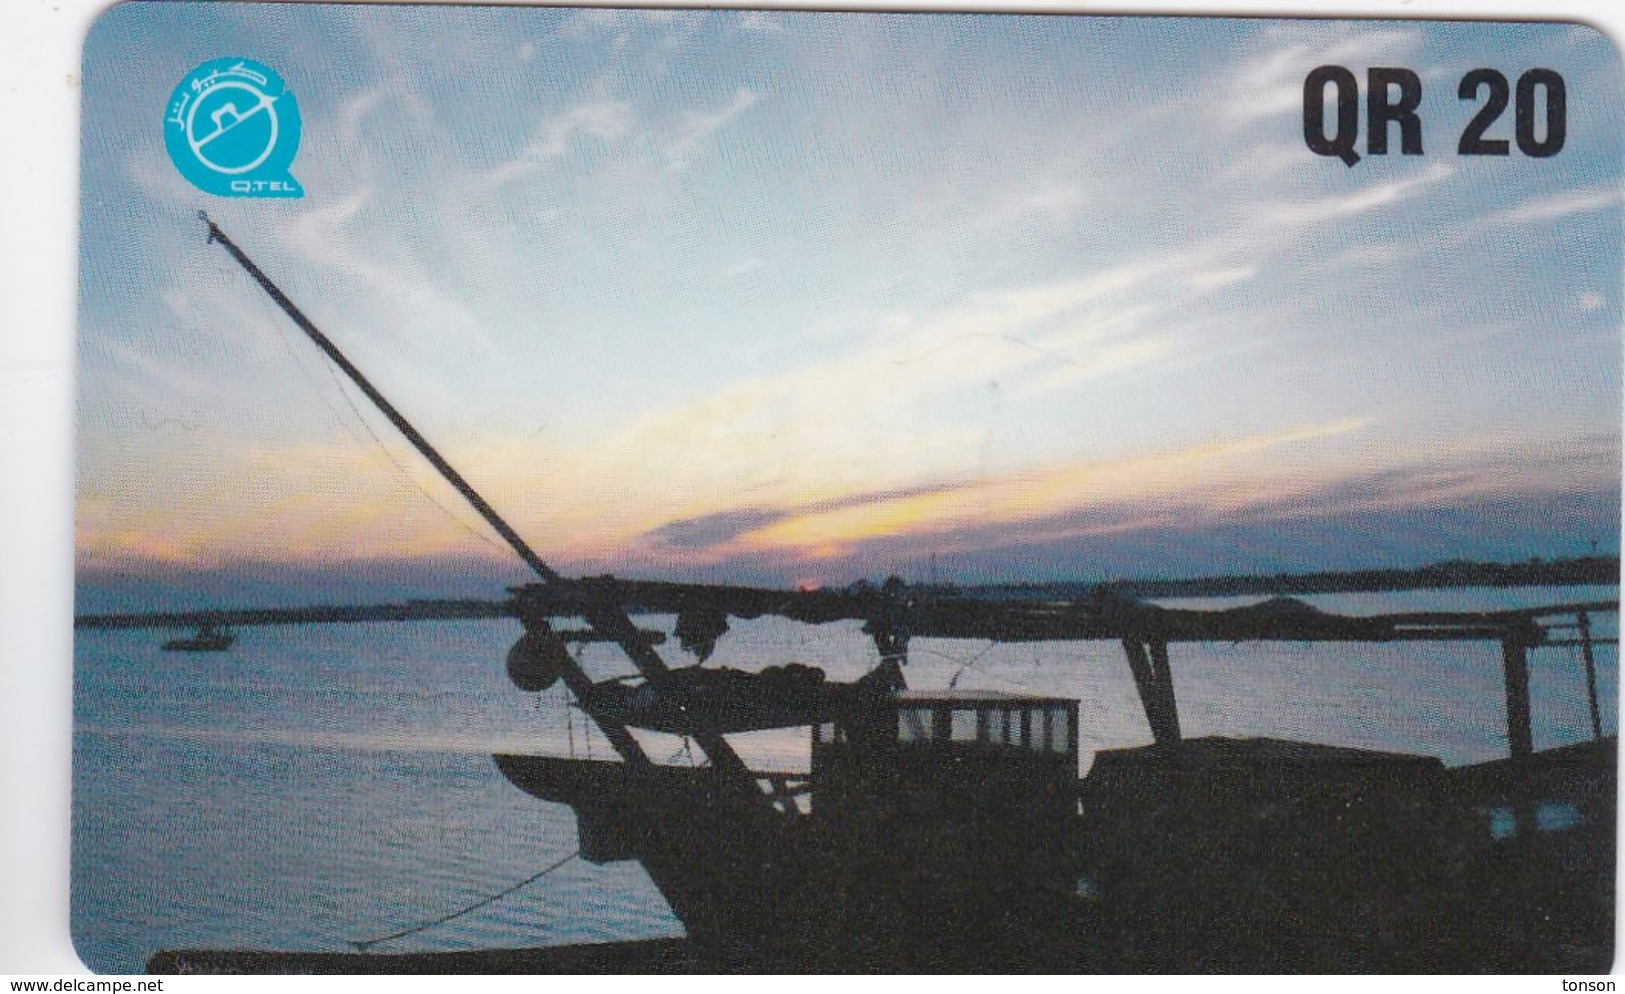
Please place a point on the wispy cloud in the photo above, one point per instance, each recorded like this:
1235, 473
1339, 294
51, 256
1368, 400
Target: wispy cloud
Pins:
698, 127
721, 528
1298, 213
601, 118
1212, 279
825, 528
1273, 79
1560, 205
880, 398
1489, 497
405, 302
761, 21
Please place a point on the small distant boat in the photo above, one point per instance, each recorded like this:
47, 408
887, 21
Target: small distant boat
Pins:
207, 639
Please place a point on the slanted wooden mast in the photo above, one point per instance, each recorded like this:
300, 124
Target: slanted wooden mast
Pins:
606, 617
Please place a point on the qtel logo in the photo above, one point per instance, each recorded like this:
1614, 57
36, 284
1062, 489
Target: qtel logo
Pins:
233, 129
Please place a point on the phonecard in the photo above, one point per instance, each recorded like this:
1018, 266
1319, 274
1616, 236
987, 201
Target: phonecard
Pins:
665, 490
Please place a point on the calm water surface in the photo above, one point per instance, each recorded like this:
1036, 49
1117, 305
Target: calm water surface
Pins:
324, 785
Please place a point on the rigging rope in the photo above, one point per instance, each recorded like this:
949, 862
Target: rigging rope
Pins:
344, 391
366, 944
972, 662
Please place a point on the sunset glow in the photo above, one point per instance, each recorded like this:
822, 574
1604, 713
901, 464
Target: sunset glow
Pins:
710, 294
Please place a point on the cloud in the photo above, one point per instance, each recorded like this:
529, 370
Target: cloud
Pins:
862, 417
1262, 160
1212, 279
877, 420
830, 528
669, 28
760, 21
722, 527
1539, 210
1361, 255
1483, 504
697, 127
1500, 498
395, 307
600, 118
713, 529
1273, 79
279, 502
1298, 213
1113, 357
1058, 201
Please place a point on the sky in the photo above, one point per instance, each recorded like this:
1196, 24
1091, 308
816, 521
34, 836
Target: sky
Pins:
806, 297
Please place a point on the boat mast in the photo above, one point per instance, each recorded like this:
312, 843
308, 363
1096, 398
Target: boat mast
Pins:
610, 620
395, 417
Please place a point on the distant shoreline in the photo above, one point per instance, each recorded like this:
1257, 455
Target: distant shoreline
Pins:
1589, 570
1581, 571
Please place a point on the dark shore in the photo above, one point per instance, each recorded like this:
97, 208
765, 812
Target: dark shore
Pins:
656, 597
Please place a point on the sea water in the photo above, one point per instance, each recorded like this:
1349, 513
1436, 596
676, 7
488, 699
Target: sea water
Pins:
321, 786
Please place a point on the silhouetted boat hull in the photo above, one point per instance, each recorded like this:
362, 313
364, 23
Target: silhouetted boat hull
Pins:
1219, 855
1211, 855
925, 853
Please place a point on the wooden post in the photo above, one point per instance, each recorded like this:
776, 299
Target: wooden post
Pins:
1583, 620
1520, 739
1515, 656
1164, 675
1153, 680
